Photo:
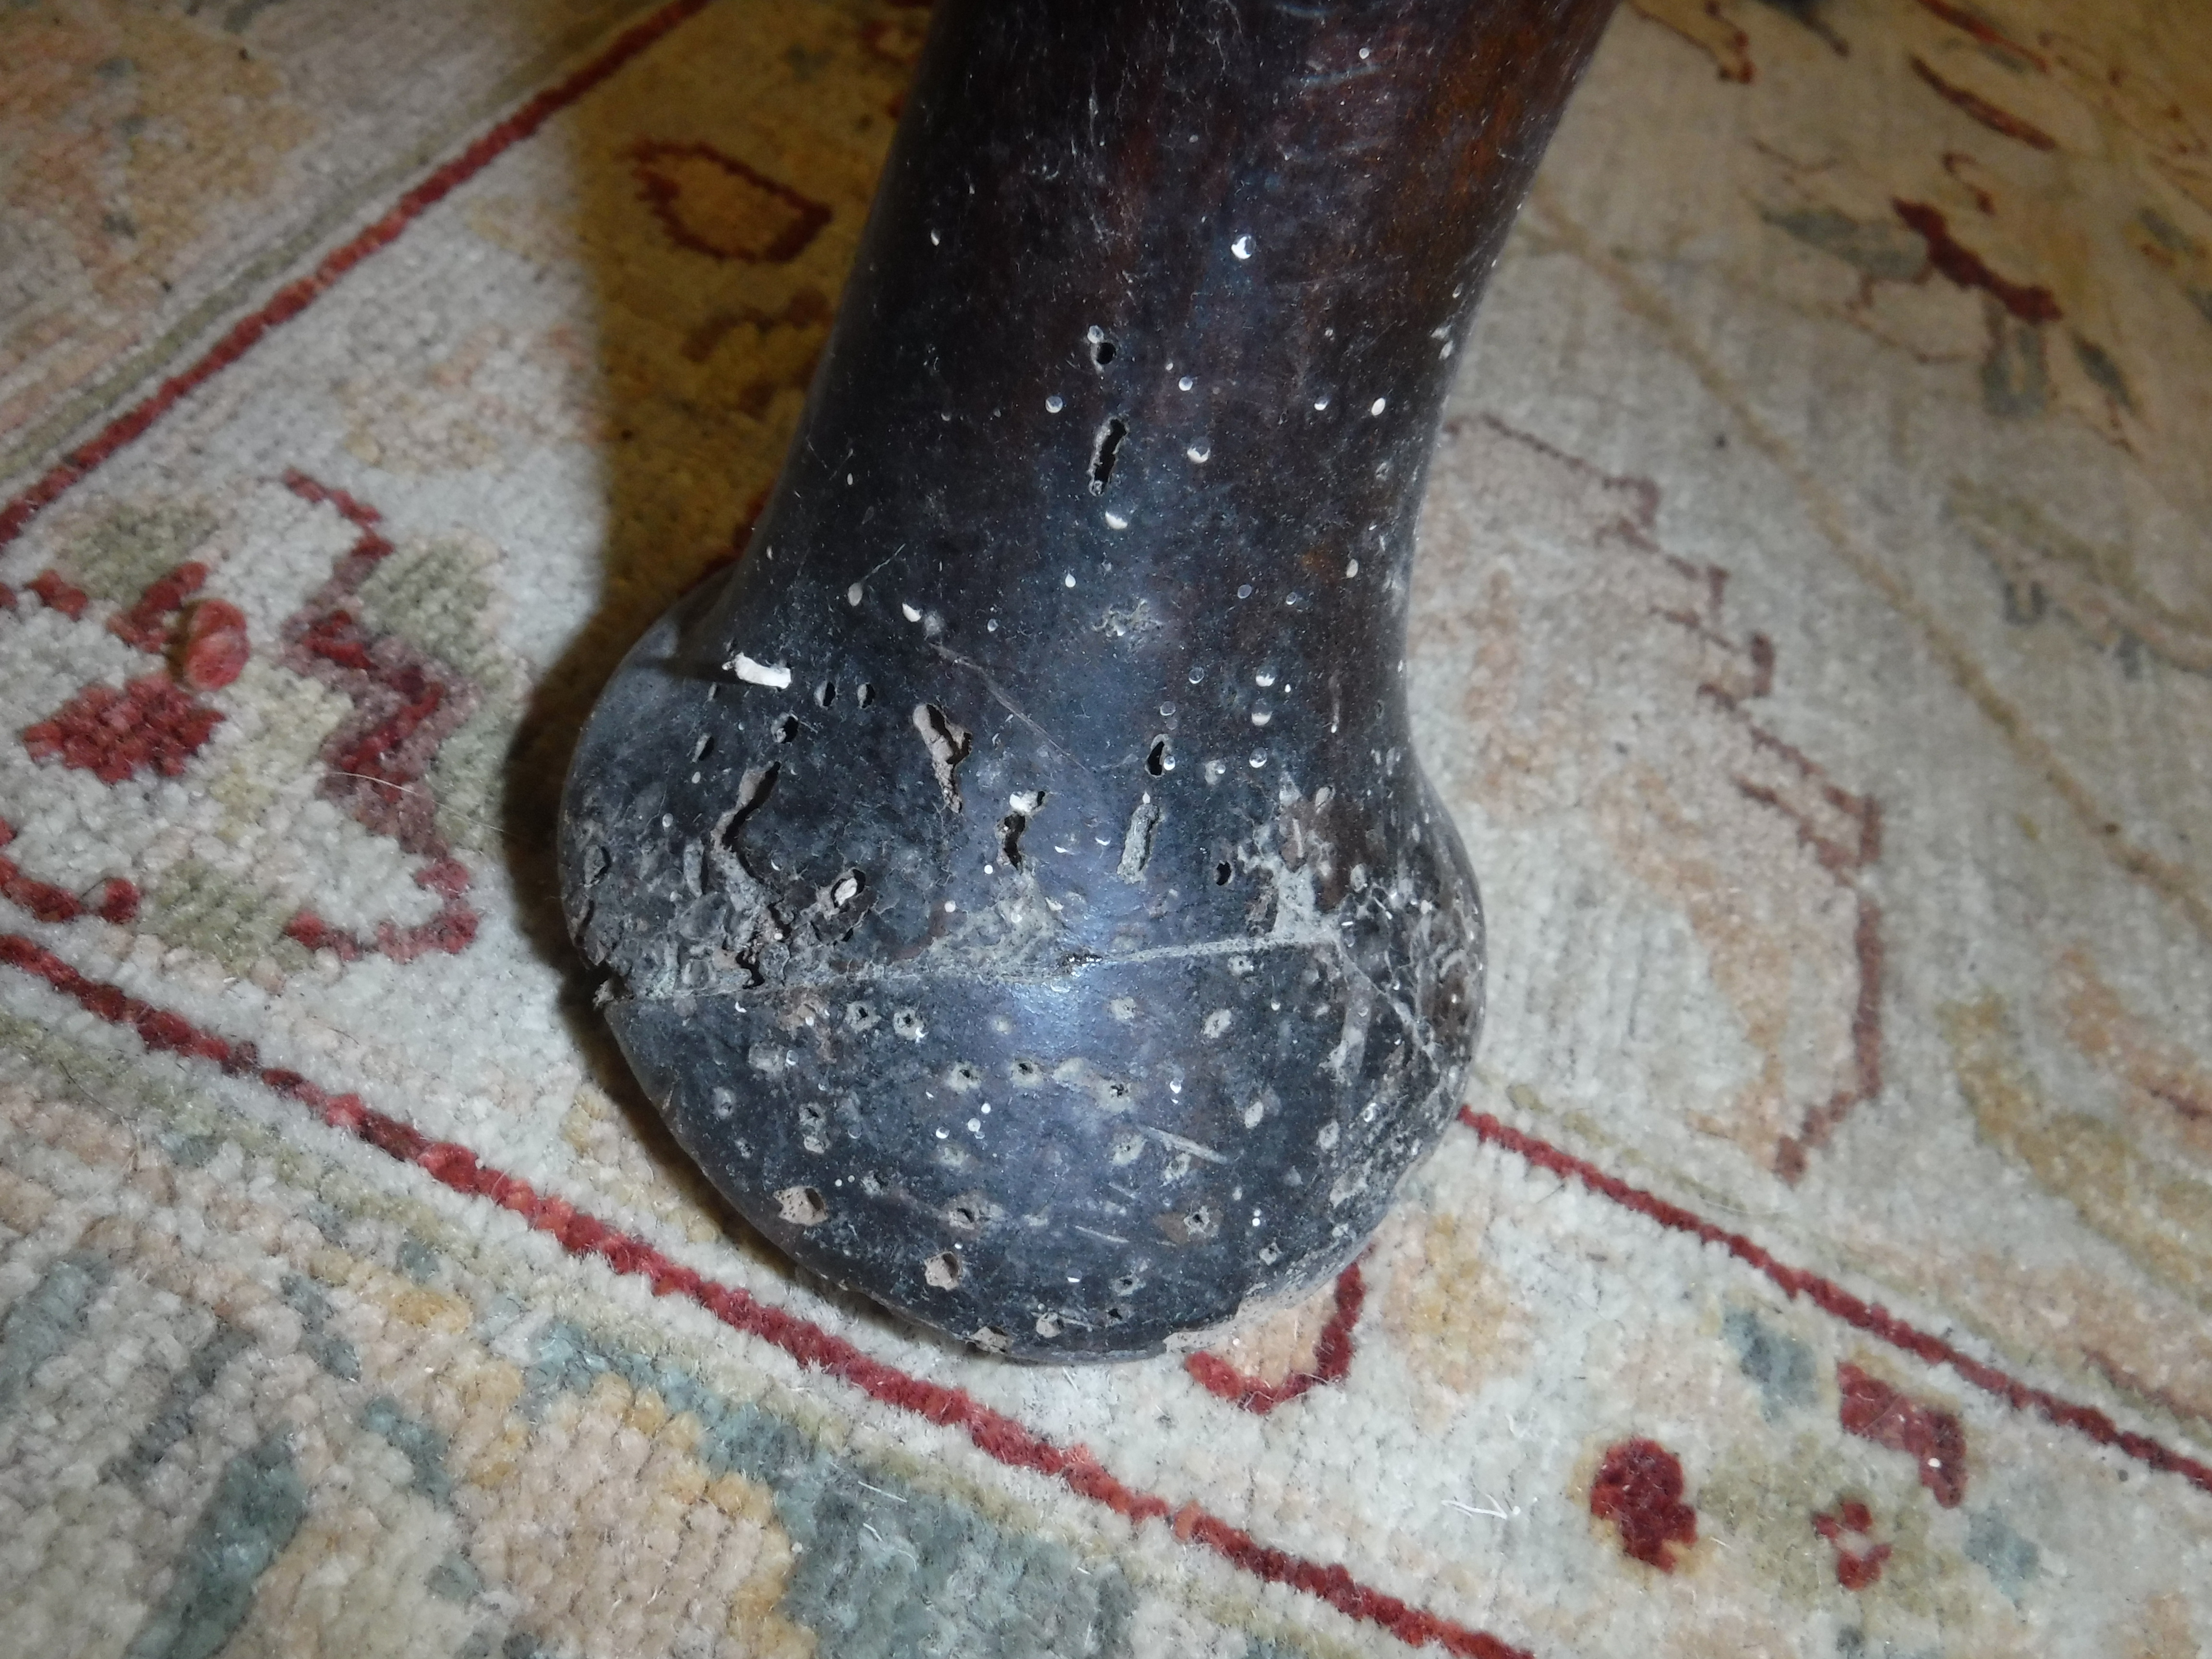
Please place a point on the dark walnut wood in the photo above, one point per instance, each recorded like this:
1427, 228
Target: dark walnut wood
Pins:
1014, 882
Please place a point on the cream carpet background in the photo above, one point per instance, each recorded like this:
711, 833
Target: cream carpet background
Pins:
1815, 639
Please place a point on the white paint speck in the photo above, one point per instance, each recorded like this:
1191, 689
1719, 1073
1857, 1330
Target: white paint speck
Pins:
1447, 350
773, 675
1198, 674
1094, 334
1245, 590
1259, 758
949, 907
1068, 580
1265, 677
1241, 247
1185, 384
1365, 52
1321, 402
854, 594
1054, 403
935, 240
1262, 714
1378, 405
1115, 521
1199, 453
1352, 570
909, 612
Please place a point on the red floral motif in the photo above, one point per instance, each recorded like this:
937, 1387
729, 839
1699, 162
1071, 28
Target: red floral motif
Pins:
214, 645
405, 705
1840, 829
715, 204
2029, 301
152, 723
148, 724
117, 901
146, 624
1995, 117
213, 648
59, 595
1331, 1358
43, 900
1856, 1569
1876, 1411
1639, 1489
453, 929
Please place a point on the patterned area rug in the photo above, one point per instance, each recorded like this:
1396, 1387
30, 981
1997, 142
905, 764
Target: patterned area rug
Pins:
1814, 639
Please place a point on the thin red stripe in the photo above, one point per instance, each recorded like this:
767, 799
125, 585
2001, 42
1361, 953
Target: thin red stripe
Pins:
295, 297
1870, 1318
996, 1434
1332, 1360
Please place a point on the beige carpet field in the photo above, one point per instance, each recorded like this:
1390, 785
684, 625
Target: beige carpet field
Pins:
1812, 637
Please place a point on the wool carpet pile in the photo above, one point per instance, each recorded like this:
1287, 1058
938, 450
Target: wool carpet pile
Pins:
1813, 638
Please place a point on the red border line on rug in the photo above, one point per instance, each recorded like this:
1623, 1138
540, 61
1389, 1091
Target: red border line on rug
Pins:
295, 297
997, 1435
1831, 1297
1332, 1360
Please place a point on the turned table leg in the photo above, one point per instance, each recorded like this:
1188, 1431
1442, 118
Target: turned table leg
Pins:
1013, 882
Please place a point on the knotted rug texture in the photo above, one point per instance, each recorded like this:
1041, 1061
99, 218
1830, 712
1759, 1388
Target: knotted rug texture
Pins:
1814, 639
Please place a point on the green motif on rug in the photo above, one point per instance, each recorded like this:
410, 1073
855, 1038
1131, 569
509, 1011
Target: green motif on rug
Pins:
258, 1505
885, 1570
